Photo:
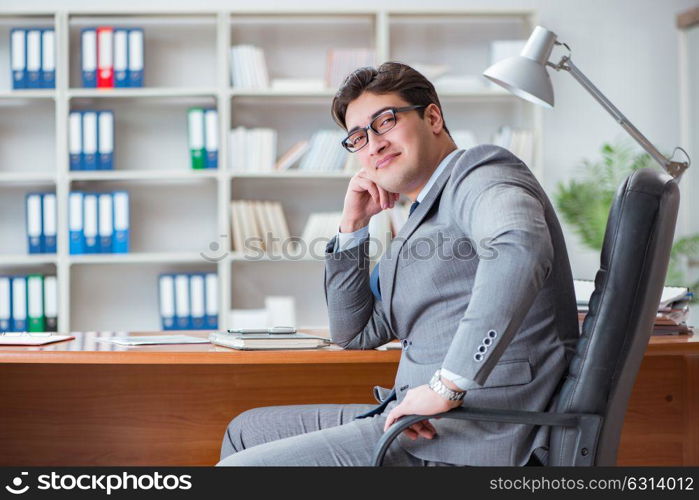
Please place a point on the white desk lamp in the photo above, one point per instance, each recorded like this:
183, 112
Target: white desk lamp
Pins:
526, 76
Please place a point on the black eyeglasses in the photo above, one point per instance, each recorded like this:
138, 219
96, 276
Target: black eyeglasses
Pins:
383, 122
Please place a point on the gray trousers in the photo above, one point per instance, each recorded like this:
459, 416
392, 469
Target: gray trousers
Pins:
309, 435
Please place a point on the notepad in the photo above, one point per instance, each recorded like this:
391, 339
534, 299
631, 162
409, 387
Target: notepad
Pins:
25, 338
154, 340
266, 341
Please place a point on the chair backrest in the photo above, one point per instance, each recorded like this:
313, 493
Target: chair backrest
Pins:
623, 306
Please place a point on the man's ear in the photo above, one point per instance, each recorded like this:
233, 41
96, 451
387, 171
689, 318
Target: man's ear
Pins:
434, 118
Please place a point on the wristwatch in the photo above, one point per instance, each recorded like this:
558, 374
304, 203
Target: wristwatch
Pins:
437, 386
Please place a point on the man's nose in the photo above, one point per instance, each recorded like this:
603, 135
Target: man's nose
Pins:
376, 143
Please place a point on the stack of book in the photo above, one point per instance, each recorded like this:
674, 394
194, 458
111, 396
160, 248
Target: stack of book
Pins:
292, 156
33, 58
518, 141
267, 339
91, 140
202, 128
98, 222
28, 303
252, 149
673, 309
112, 57
188, 301
341, 62
41, 222
320, 227
325, 153
259, 226
248, 67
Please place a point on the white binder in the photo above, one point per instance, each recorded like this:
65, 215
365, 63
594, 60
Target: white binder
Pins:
196, 290
90, 140
35, 296
75, 223
19, 304
33, 59
182, 308
49, 222
34, 222
19, 58
211, 301
105, 142
48, 58
5, 304
90, 223
121, 58
167, 301
51, 303
106, 222
75, 140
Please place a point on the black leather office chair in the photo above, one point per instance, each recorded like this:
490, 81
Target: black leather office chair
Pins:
591, 401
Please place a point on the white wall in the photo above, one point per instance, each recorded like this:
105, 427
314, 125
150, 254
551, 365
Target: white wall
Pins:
628, 48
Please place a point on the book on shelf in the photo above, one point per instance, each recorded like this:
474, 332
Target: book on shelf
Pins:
268, 341
252, 149
673, 309
292, 156
325, 154
188, 301
91, 140
98, 222
460, 83
202, 132
298, 84
258, 226
111, 57
248, 67
519, 142
33, 58
342, 62
28, 303
319, 229
41, 223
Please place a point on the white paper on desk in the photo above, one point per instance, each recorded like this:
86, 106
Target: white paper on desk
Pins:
27, 338
154, 340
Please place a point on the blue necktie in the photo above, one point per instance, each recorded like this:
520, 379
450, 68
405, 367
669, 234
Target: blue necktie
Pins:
374, 278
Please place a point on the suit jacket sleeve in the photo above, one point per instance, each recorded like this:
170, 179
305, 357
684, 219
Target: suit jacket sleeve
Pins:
509, 231
357, 320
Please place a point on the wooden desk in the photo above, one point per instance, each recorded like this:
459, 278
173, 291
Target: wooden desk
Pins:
84, 402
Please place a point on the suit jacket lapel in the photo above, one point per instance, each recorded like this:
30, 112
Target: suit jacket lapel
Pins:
387, 271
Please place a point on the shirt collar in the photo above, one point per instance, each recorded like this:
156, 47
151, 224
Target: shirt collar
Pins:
440, 168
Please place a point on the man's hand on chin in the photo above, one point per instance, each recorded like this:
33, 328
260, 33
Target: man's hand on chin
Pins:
420, 401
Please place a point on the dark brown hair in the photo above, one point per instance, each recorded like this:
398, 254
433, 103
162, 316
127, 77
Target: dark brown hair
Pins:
390, 77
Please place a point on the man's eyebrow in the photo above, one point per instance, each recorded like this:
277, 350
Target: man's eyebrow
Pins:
377, 113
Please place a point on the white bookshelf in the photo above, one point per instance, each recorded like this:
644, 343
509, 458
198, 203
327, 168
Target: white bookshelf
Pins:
180, 218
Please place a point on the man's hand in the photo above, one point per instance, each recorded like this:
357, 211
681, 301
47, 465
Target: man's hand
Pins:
364, 199
420, 401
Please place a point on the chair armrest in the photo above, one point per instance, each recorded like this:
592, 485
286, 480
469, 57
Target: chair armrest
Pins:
587, 422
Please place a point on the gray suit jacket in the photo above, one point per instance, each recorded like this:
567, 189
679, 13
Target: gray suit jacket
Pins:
478, 282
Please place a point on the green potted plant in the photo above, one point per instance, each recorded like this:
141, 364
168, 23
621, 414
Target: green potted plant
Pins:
584, 204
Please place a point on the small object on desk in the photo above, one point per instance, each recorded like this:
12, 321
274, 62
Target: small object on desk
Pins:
276, 330
390, 346
154, 340
266, 339
33, 338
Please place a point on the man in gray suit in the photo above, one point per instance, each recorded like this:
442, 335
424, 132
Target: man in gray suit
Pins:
476, 285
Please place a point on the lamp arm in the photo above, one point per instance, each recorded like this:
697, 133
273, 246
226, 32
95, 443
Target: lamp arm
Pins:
674, 168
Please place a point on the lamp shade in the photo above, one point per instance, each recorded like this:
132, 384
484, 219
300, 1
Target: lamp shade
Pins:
525, 75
